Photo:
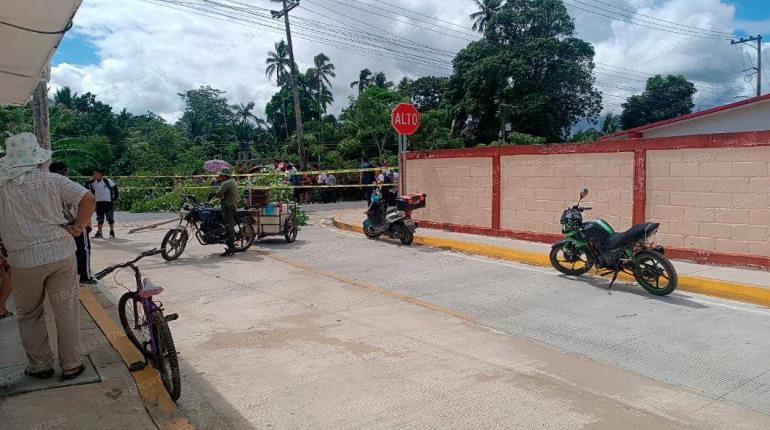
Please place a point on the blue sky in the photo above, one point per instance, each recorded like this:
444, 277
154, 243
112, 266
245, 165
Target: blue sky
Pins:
755, 10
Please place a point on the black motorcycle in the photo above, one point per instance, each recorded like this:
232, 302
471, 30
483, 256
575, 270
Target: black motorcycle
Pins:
392, 216
205, 222
595, 244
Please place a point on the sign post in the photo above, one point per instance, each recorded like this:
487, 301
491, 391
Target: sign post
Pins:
405, 119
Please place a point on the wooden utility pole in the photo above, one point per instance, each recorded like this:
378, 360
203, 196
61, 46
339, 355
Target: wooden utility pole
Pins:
40, 110
288, 6
747, 40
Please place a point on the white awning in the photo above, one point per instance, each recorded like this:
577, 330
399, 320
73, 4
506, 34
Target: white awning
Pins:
25, 51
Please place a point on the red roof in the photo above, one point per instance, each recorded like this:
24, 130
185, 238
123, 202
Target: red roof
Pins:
687, 117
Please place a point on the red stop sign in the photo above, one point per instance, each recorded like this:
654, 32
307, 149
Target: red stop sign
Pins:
405, 119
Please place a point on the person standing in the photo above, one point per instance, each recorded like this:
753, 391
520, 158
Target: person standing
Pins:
83, 241
366, 179
106, 192
5, 284
41, 253
331, 181
228, 199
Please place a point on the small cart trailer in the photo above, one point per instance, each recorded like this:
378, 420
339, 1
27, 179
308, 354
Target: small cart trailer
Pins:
272, 218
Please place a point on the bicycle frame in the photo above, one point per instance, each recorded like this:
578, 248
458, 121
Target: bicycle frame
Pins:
149, 309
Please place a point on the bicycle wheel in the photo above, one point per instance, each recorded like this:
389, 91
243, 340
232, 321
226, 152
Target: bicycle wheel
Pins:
134, 322
165, 359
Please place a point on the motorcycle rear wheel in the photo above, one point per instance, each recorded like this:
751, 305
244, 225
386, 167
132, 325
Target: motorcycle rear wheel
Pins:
561, 261
407, 237
650, 268
244, 236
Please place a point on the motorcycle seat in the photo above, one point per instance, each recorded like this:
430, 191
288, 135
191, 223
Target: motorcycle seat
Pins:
634, 234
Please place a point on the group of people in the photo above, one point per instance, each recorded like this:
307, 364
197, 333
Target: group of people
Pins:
45, 249
376, 174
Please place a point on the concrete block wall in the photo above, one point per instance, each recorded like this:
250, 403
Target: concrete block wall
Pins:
710, 193
459, 190
536, 189
711, 199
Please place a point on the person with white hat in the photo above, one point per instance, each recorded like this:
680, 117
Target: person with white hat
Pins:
228, 199
41, 253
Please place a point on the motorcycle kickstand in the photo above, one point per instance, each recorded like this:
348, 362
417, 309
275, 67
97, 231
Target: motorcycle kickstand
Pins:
614, 278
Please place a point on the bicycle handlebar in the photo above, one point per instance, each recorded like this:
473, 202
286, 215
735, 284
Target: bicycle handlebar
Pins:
108, 270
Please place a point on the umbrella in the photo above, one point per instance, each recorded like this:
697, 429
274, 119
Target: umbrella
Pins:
214, 165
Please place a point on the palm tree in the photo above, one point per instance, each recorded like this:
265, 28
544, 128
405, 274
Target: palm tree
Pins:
487, 10
365, 79
278, 63
381, 81
611, 124
64, 96
320, 77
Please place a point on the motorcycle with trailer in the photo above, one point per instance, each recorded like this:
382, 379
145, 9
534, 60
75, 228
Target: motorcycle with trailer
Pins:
204, 221
392, 216
596, 244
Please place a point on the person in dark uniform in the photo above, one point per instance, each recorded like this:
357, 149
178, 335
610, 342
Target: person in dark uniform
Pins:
228, 199
82, 242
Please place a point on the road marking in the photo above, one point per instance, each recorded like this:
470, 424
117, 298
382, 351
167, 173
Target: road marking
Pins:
162, 410
371, 287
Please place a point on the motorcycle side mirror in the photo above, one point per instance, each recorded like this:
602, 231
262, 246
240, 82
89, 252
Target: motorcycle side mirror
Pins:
584, 193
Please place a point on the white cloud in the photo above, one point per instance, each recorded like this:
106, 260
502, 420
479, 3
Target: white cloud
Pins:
149, 53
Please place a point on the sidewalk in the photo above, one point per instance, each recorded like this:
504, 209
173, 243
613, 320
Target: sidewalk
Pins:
745, 285
104, 397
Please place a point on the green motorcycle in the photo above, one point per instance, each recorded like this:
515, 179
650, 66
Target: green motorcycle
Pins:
596, 244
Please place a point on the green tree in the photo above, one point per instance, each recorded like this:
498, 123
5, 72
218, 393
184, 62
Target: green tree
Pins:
529, 71
662, 99
611, 124
381, 81
364, 81
369, 116
321, 75
64, 97
207, 116
587, 135
428, 92
487, 11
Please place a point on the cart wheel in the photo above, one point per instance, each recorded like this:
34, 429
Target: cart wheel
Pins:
290, 229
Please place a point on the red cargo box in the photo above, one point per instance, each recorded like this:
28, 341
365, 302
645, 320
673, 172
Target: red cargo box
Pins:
256, 197
415, 200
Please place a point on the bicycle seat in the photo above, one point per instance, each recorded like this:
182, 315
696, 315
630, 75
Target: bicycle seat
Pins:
149, 289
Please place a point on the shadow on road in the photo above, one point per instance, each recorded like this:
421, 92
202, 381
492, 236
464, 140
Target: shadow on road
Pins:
677, 299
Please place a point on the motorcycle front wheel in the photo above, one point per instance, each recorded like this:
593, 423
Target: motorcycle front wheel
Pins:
173, 245
655, 273
569, 261
370, 233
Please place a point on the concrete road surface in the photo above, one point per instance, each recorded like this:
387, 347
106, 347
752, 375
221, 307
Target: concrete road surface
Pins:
337, 331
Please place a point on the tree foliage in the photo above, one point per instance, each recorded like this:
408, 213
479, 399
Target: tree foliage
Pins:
529, 71
662, 99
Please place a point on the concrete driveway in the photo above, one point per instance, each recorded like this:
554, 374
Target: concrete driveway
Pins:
337, 331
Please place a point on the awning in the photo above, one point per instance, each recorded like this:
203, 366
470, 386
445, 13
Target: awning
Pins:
30, 31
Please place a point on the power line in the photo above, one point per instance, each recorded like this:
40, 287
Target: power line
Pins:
677, 24
635, 21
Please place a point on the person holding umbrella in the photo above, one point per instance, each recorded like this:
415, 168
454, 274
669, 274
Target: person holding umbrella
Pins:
228, 199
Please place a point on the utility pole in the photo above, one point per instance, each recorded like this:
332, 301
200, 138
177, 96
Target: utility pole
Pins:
40, 119
288, 5
747, 40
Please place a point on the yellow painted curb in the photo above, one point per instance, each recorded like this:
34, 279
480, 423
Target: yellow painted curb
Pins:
163, 411
711, 287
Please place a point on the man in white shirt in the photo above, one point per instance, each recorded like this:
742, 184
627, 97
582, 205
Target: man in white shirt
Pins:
106, 192
41, 253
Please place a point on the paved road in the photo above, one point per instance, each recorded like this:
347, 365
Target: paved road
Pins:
256, 337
